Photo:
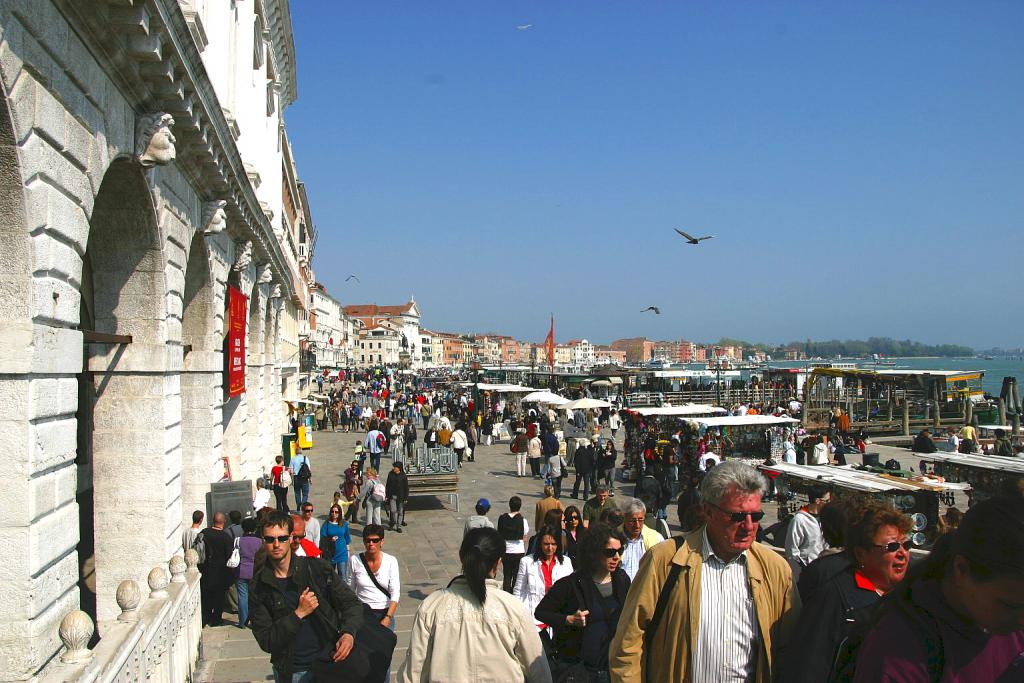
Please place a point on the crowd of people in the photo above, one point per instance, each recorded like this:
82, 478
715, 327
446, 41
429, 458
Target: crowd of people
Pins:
593, 586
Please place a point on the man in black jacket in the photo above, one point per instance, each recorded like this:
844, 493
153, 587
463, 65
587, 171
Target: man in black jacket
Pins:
584, 464
397, 492
298, 606
216, 576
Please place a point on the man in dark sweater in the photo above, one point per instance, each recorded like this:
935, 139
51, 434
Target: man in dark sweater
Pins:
397, 492
298, 606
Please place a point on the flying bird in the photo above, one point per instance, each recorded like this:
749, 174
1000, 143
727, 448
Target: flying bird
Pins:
690, 239
657, 311
523, 27
352, 277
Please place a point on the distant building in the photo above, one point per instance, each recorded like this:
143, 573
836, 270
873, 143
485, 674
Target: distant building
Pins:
380, 344
637, 349
406, 317
606, 355
581, 354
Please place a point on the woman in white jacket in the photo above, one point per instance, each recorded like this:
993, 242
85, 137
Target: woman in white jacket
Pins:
541, 569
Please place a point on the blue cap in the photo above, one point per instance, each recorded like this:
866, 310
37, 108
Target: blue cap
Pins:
484, 503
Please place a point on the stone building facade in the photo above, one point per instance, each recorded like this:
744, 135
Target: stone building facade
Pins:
142, 174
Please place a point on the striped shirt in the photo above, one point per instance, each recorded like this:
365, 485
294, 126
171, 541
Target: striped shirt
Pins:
727, 635
631, 557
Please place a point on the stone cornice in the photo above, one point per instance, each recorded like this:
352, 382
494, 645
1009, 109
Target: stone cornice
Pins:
148, 48
279, 23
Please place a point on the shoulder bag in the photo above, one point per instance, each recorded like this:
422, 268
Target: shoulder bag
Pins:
236, 556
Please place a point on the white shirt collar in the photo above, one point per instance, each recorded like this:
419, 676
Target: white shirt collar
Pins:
708, 552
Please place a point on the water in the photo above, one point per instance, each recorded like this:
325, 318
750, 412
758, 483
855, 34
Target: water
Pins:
994, 369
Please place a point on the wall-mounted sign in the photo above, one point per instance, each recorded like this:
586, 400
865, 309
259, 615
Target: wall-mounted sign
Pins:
238, 305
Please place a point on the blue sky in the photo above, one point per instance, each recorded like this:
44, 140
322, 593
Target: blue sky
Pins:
861, 165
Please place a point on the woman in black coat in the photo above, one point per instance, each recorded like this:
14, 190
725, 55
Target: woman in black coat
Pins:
397, 492
584, 607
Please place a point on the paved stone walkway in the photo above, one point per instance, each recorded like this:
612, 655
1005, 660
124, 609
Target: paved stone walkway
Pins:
427, 551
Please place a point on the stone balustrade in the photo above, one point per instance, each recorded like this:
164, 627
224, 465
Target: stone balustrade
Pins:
154, 639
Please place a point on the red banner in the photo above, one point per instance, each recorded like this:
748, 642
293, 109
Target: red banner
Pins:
549, 345
238, 305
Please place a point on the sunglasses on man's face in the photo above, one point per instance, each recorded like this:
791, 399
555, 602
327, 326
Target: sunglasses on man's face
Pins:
373, 539
269, 540
737, 517
612, 552
893, 546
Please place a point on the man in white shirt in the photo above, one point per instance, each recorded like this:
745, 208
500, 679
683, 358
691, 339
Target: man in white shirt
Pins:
188, 537
312, 524
804, 540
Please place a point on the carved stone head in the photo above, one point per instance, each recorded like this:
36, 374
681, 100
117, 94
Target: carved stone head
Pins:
243, 255
266, 274
214, 217
154, 144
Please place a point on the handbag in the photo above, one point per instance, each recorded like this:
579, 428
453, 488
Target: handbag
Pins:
369, 659
236, 556
327, 548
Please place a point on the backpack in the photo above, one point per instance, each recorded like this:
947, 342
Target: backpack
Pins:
382, 441
304, 473
379, 492
199, 545
286, 478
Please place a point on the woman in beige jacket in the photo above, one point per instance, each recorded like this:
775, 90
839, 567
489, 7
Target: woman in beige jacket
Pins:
472, 630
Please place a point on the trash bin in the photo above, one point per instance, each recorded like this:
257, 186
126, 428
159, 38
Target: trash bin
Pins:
288, 447
306, 432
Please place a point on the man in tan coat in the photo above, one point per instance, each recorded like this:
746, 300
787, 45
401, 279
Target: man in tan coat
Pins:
548, 502
726, 603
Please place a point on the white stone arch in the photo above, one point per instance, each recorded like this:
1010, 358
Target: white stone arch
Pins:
201, 380
130, 393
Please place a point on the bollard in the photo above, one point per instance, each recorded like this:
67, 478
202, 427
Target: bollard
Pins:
128, 597
1015, 424
1002, 412
906, 417
969, 412
76, 631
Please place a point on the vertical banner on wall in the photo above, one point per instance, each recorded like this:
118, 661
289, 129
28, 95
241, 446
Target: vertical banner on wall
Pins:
238, 304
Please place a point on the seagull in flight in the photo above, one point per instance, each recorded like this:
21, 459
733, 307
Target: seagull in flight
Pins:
352, 277
690, 239
657, 311
524, 27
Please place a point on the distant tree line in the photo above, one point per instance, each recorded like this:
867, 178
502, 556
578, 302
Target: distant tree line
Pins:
883, 346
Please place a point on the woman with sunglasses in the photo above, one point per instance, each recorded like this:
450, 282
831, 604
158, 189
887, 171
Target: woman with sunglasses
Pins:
584, 607
959, 614
877, 557
573, 525
335, 538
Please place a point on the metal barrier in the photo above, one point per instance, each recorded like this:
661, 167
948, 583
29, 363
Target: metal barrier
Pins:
441, 460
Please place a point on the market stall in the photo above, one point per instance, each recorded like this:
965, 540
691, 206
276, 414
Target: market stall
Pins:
986, 476
747, 436
918, 496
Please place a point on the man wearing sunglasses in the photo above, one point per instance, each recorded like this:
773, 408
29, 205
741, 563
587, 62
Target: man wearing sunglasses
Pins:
299, 606
729, 602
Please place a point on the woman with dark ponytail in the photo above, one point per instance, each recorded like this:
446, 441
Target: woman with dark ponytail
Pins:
959, 615
473, 630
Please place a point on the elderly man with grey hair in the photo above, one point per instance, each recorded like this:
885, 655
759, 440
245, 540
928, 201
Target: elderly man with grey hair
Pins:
639, 537
713, 605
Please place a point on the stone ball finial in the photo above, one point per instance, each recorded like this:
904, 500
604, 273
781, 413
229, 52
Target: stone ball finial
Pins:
157, 580
128, 597
192, 561
178, 568
76, 630
154, 141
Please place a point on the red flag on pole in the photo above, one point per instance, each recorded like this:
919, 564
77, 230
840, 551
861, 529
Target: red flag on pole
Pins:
549, 344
